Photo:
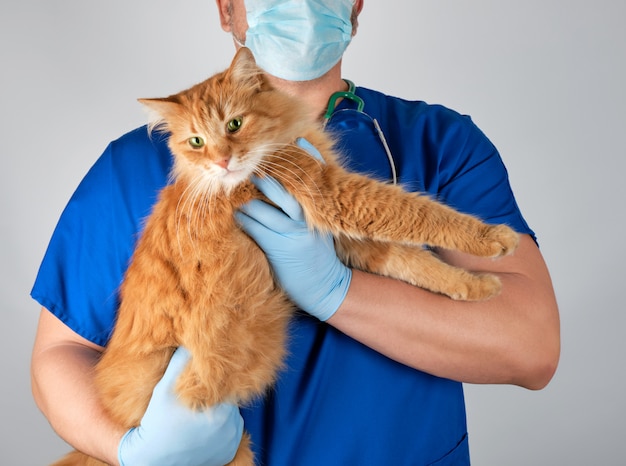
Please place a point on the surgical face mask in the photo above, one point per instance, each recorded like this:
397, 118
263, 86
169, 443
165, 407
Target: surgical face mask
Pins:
298, 40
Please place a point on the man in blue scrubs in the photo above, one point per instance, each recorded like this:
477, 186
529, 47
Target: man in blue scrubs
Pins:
375, 366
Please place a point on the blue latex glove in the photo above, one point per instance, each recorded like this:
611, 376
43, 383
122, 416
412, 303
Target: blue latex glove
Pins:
172, 434
304, 261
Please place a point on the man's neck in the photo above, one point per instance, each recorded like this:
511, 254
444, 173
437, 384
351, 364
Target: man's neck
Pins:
315, 93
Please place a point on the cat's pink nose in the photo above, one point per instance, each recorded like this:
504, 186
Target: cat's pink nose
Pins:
223, 162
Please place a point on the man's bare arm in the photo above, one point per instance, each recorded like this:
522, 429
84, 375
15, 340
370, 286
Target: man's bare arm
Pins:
63, 388
513, 338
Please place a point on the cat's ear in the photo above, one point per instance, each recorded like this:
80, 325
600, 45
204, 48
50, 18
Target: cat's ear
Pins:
245, 70
160, 110
163, 107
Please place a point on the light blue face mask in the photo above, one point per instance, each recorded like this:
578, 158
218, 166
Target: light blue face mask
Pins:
298, 40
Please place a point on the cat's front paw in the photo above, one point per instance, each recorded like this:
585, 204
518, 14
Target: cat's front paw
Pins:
500, 240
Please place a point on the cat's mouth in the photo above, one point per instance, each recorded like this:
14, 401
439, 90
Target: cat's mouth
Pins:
233, 176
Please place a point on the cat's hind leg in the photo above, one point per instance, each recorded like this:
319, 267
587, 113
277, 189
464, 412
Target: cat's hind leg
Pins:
419, 267
244, 456
126, 380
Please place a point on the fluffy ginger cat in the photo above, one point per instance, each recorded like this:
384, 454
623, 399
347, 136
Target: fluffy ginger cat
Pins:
197, 280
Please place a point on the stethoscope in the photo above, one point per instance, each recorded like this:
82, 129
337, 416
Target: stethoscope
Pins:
360, 105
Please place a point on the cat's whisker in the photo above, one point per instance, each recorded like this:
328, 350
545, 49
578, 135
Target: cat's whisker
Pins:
181, 207
277, 171
293, 149
279, 155
207, 200
193, 203
206, 191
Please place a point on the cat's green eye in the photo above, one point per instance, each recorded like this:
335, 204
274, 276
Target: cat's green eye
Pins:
196, 142
234, 125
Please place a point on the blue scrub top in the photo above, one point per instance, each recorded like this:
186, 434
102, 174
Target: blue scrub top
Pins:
337, 402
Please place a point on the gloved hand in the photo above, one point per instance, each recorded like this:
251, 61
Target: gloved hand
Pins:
172, 434
304, 261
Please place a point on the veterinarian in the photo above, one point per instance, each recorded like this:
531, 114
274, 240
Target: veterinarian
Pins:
375, 368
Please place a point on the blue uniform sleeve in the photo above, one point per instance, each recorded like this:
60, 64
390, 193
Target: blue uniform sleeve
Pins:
440, 152
472, 177
90, 248
444, 154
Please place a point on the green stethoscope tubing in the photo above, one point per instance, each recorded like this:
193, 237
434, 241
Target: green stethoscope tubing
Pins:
350, 94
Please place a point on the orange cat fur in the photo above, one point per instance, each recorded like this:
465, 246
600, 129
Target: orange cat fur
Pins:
198, 281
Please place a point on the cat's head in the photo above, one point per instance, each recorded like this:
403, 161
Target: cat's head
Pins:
222, 129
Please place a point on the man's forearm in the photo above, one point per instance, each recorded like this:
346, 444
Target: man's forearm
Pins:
63, 388
512, 338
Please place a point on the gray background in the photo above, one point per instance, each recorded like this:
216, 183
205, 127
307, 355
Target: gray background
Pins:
543, 78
